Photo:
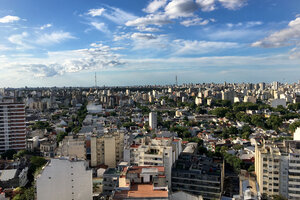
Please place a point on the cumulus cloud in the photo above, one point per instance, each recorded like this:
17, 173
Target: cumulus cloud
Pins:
194, 22
151, 19
53, 38
233, 4
9, 19
96, 12
285, 37
45, 26
58, 63
181, 8
155, 5
147, 36
206, 5
194, 47
100, 26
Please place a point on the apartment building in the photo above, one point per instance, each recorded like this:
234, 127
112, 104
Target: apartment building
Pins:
107, 149
142, 182
12, 126
159, 151
65, 179
277, 167
153, 120
197, 175
72, 147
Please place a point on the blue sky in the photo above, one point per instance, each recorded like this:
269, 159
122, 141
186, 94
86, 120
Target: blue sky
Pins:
137, 42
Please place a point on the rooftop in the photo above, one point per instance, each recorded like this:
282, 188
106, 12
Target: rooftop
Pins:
141, 191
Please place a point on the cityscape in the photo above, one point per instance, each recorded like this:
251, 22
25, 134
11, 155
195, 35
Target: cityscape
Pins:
149, 100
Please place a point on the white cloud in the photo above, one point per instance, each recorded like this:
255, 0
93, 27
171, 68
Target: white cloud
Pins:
189, 47
233, 4
154, 5
4, 48
285, 37
118, 16
151, 19
143, 36
194, 22
96, 12
206, 5
45, 26
61, 62
181, 8
147, 29
53, 38
20, 40
150, 42
9, 19
100, 26
122, 36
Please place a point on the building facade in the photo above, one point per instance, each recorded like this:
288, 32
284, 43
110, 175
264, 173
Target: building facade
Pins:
12, 126
65, 179
197, 175
107, 149
277, 167
153, 120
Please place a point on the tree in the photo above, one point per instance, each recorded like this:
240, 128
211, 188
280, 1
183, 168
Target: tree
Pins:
274, 122
60, 136
294, 126
251, 168
220, 112
258, 121
9, 154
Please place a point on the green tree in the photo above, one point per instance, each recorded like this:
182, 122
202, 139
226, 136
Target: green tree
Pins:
220, 112
274, 122
294, 126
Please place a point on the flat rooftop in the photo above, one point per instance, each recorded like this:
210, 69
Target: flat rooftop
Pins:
141, 191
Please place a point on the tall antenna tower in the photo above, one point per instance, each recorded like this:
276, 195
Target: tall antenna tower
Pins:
95, 80
176, 80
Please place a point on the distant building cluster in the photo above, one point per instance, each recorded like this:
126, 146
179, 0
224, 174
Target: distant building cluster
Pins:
193, 141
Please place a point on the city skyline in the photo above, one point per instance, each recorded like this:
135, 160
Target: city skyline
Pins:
54, 43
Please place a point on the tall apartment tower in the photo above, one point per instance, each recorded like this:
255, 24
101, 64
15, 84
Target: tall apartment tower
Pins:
12, 126
277, 168
153, 120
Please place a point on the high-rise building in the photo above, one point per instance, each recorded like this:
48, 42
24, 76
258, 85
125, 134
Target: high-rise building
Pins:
277, 167
65, 179
107, 149
153, 120
12, 126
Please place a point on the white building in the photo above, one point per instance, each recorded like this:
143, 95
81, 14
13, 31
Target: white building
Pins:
278, 102
158, 152
297, 134
65, 179
153, 120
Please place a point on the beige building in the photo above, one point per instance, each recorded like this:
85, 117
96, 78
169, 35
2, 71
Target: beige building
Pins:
107, 149
277, 167
73, 147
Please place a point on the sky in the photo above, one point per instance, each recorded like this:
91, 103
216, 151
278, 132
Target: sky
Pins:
143, 42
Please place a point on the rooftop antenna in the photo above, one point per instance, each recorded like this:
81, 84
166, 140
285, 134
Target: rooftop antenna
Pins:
95, 80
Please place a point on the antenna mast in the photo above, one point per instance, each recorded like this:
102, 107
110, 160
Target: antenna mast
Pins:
95, 80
